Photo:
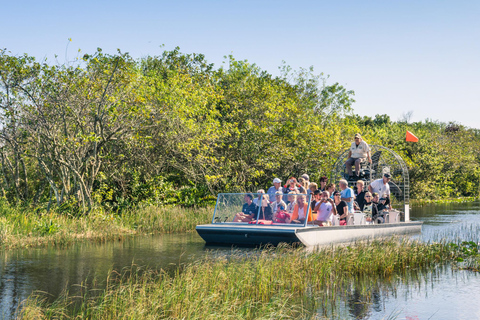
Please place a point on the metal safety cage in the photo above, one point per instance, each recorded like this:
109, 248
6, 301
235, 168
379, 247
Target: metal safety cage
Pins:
384, 160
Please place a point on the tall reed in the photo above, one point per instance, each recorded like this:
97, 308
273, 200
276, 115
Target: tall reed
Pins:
20, 228
280, 283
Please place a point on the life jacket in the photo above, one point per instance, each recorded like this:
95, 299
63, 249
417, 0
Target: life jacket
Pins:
282, 216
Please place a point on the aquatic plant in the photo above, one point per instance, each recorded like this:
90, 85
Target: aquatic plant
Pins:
20, 228
279, 283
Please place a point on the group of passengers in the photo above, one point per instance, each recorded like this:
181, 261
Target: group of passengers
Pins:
288, 203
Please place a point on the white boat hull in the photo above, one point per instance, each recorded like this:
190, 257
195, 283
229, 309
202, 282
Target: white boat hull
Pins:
341, 234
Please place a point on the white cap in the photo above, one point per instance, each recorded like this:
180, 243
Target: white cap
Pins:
276, 180
305, 176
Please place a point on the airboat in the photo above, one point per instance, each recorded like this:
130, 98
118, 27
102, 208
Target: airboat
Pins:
262, 230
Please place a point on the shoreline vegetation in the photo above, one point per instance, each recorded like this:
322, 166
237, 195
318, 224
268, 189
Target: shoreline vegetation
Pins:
271, 283
21, 228
24, 228
108, 146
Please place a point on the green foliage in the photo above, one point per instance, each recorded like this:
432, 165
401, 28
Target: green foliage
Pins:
172, 129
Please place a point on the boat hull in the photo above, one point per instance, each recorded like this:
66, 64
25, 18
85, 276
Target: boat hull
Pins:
235, 234
228, 234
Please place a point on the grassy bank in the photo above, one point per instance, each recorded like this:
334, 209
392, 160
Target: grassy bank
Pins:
274, 284
422, 202
22, 228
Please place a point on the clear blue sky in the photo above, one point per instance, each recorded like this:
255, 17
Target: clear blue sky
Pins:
398, 56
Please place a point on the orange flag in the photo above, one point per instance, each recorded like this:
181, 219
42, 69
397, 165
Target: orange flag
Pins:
411, 137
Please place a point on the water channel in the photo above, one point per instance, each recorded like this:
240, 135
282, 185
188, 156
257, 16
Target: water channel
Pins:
440, 294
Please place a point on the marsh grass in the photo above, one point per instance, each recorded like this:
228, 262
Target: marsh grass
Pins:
274, 283
23, 228
422, 202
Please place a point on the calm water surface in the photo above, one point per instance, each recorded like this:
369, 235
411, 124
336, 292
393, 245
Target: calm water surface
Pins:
442, 294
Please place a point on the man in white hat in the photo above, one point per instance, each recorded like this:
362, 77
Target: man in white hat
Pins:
359, 152
277, 186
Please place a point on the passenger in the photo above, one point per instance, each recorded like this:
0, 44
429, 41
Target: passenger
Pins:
331, 189
360, 195
326, 210
341, 207
260, 193
306, 178
311, 188
359, 151
346, 194
323, 183
277, 186
380, 202
370, 208
317, 197
292, 201
266, 210
300, 211
249, 210
290, 187
278, 203
381, 186
302, 186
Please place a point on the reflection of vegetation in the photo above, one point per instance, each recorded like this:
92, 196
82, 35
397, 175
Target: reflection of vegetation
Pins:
272, 283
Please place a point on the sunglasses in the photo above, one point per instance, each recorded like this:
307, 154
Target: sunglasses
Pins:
368, 196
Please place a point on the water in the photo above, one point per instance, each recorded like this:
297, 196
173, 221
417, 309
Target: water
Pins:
55, 270
442, 294
450, 222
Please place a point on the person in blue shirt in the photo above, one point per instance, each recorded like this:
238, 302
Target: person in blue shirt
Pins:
277, 186
346, 194
249, 210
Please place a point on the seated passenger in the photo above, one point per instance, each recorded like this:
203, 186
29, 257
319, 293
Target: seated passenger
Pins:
292, 201
380, 202
317, 196
323, 183
281, 216
360, 194
311, 188
325, 210
277, 186
341, 207
370, 208
290, 187
266, 210
330, 188
249, 210
302, 185
275, 205
260, 193
300, 211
